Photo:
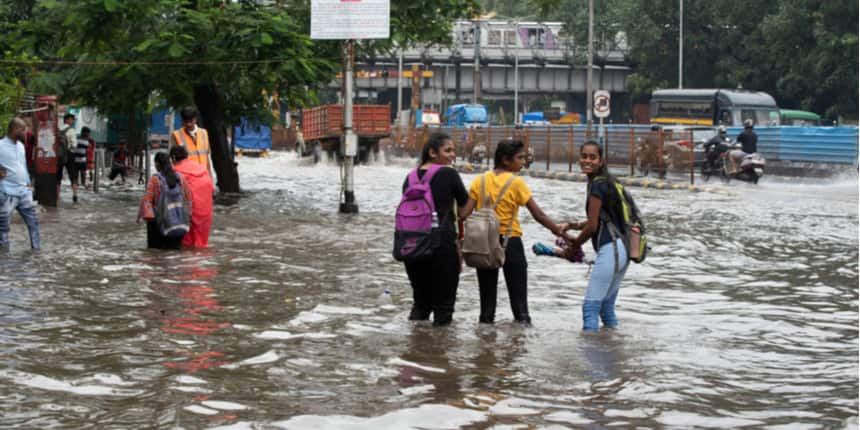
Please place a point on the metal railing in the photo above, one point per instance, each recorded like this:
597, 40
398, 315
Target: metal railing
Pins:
636, 148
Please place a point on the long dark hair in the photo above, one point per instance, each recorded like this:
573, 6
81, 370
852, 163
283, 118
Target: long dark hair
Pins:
506, 149
434, 142
612, 197
162, 164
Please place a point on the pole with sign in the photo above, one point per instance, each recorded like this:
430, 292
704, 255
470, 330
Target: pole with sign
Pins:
601, 110
349, 20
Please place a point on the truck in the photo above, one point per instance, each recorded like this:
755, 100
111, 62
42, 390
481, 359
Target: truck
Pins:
322, 130
467, 115
253, 140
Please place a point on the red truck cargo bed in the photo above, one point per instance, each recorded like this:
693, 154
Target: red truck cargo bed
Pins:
326, 122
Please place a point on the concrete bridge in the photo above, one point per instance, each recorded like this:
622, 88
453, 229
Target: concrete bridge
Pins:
529, 57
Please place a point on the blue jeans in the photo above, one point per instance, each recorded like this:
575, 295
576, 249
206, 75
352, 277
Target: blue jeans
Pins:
603, 286
25, 206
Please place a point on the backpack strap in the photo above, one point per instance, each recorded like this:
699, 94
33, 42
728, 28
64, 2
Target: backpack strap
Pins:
499, 199
413, 175
485, 200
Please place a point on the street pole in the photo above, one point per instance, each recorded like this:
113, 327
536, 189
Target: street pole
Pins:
476, 91
681, 44
516, 86
588, 83
349, 143
399, 84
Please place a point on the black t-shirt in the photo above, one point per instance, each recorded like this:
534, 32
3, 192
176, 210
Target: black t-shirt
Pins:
446, 186
749, 141
608, 196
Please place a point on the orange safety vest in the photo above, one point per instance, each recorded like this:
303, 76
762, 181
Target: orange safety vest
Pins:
198, 149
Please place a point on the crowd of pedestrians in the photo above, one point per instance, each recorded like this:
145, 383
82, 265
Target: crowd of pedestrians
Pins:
178, 208
177, 205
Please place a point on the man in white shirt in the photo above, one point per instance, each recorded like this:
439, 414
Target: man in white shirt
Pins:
15, 191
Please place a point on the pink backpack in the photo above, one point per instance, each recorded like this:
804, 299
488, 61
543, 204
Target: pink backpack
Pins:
415, 235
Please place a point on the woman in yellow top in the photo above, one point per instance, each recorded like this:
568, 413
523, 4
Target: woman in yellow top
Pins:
509, 159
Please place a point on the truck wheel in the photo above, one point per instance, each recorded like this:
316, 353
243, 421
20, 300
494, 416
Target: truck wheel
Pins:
376, 152
317, 153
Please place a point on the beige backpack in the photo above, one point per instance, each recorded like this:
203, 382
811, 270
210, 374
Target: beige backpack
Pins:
481, 247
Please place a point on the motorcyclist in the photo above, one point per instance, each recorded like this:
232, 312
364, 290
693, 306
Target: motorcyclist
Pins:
714, 147
748, 140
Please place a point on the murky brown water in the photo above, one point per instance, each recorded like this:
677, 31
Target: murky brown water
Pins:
746, 314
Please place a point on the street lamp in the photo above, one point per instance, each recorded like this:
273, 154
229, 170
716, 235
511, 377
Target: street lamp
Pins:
681, 44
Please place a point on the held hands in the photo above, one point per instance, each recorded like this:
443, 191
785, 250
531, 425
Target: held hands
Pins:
573, 225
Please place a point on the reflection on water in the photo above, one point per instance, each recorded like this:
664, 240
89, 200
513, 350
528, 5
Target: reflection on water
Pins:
745, 314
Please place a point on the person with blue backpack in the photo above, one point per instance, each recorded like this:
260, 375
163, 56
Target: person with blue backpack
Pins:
166, 206
605, 220
425, 237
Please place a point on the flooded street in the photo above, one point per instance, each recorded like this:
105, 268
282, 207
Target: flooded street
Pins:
744, 315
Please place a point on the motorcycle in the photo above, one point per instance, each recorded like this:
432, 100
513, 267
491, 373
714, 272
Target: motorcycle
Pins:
749, 169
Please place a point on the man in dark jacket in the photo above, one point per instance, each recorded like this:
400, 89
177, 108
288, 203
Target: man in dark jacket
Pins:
749, 145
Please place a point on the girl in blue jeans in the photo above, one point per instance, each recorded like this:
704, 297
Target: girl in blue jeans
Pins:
602, 206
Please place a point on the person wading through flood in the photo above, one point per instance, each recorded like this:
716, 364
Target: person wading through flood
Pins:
200, 184
434, 280
16, 191
607, 271
510, 157
166, 178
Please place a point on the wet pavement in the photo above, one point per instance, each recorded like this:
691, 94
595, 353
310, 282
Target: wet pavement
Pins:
744, 315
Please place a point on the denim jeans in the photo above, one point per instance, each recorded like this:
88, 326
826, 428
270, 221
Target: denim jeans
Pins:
603, 286
25, 206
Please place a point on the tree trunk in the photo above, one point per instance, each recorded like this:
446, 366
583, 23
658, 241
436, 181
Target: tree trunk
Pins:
210, 103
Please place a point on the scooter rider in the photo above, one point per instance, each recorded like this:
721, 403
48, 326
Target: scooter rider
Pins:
715, 147
748, 140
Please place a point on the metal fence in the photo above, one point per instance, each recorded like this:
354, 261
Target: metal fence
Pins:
556, 147
637, 147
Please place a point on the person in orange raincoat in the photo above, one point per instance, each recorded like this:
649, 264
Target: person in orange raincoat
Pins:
198, 180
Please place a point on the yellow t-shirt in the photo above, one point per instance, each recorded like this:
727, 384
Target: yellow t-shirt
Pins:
518, 194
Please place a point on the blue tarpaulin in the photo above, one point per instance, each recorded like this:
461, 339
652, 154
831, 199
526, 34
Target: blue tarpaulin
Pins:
252, 136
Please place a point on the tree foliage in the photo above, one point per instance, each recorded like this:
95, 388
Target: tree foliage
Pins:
223, 56
803, 52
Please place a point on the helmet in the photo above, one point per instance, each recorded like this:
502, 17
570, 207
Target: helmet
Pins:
748, 123
722, 129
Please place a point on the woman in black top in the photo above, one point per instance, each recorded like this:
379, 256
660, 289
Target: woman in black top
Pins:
611, 262
434, 282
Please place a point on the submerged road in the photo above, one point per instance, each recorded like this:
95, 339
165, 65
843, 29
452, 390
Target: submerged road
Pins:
744, 315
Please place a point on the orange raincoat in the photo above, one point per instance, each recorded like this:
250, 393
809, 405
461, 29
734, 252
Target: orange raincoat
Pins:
201, 186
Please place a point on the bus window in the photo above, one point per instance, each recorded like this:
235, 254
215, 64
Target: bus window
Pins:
725, 117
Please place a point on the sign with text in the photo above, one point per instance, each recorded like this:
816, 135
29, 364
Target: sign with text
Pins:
350, 19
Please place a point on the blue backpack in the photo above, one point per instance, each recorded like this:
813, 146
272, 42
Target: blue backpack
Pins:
415, 236
171, 214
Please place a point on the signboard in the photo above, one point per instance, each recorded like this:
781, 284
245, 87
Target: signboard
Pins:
350, 19
601, 104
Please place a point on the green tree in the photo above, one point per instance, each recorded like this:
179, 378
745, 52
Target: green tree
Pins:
803, 52
222, 56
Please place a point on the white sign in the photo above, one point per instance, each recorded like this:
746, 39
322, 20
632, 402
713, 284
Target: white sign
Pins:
601, 104
350, 19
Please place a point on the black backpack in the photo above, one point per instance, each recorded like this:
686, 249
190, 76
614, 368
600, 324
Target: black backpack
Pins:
62, 147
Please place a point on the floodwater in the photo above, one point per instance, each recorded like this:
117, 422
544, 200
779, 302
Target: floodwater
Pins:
744, 315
